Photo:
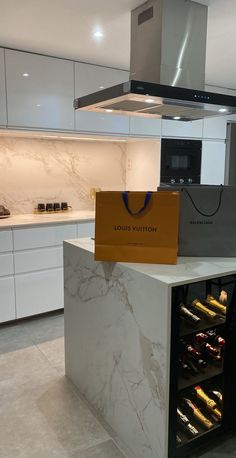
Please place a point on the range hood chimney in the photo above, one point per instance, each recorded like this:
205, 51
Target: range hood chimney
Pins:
168, 43
167, 70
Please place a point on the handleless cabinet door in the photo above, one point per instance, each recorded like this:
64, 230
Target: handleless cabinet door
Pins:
92, 78
3, 111
184, 129
39, 292
213, 162
6, 243
7, 299
40, 91
86, 229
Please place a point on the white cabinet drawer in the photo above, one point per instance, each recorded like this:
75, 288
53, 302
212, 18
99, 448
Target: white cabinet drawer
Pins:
31, 260
86, 229
6, 264
39, 292
6, 241
7, 299
38, 237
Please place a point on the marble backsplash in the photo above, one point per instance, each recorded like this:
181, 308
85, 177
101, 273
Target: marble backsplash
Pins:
42, 170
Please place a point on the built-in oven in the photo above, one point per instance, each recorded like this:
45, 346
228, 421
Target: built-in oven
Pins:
181, 161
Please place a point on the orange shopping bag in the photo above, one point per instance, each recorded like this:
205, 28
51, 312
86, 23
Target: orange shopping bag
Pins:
137, 227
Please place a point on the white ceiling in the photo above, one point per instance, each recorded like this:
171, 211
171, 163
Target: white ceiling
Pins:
64, 28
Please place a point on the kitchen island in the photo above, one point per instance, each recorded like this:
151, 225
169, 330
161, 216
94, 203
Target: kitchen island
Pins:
118, 339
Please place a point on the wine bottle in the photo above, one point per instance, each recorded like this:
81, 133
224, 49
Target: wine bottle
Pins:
218, 395
201, 338
193, 368
195, 411
223, 298
215, 338
196, 304
210, 300
178, 440
211, 351
210, 403
185, 370
196, 355
185, 424
188, 315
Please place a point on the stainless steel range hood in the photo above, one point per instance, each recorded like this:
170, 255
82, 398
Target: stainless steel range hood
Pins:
167, 76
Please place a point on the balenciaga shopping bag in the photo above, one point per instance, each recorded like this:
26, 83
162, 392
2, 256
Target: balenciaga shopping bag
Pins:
137, 227
207, 221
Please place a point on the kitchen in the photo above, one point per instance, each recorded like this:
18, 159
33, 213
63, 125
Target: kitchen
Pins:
50, 153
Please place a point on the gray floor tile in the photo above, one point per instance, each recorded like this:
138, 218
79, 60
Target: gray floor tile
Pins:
106, 450
24, 372
54, 352
24, 433
69, 418
12, 338
45, 329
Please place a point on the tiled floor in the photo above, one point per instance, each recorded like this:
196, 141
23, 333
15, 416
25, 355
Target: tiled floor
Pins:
41, 414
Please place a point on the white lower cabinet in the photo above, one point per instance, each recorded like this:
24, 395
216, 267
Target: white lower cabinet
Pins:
86, 229
31, 274
41, 259
7, 299
39, 292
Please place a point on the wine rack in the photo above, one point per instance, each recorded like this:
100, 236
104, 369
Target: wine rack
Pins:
202, 369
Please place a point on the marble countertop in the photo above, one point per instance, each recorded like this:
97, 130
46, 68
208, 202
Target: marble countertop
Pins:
186, 270
46, 218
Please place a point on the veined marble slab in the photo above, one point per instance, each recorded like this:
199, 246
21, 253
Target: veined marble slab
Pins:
46, 218
117, 347
117, 339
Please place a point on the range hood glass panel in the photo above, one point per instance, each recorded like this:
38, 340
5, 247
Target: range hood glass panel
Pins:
166, 101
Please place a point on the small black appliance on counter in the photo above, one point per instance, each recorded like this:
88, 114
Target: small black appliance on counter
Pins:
180, 161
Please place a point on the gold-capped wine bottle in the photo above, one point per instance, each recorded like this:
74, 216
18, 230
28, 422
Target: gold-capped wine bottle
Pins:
196, 304
210, 403
210, 300
188, 315
195, 411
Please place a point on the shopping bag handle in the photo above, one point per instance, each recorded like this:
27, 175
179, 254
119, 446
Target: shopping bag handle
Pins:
207, 215
125, 197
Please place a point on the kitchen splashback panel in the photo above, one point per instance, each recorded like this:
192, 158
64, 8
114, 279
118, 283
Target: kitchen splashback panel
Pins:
40, 170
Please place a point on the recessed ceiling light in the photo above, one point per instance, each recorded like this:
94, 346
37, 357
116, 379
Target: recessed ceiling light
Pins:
177, 118
149, 100
38, 105
98, 34
109, 110
25, 74
223, 110
101, 87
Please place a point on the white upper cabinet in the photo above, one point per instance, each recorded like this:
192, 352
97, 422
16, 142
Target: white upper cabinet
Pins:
92, 78
40, 91
145, 127
215, 128
3, 111
183, 129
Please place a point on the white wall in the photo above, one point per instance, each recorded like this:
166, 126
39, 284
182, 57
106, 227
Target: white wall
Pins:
143, 165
